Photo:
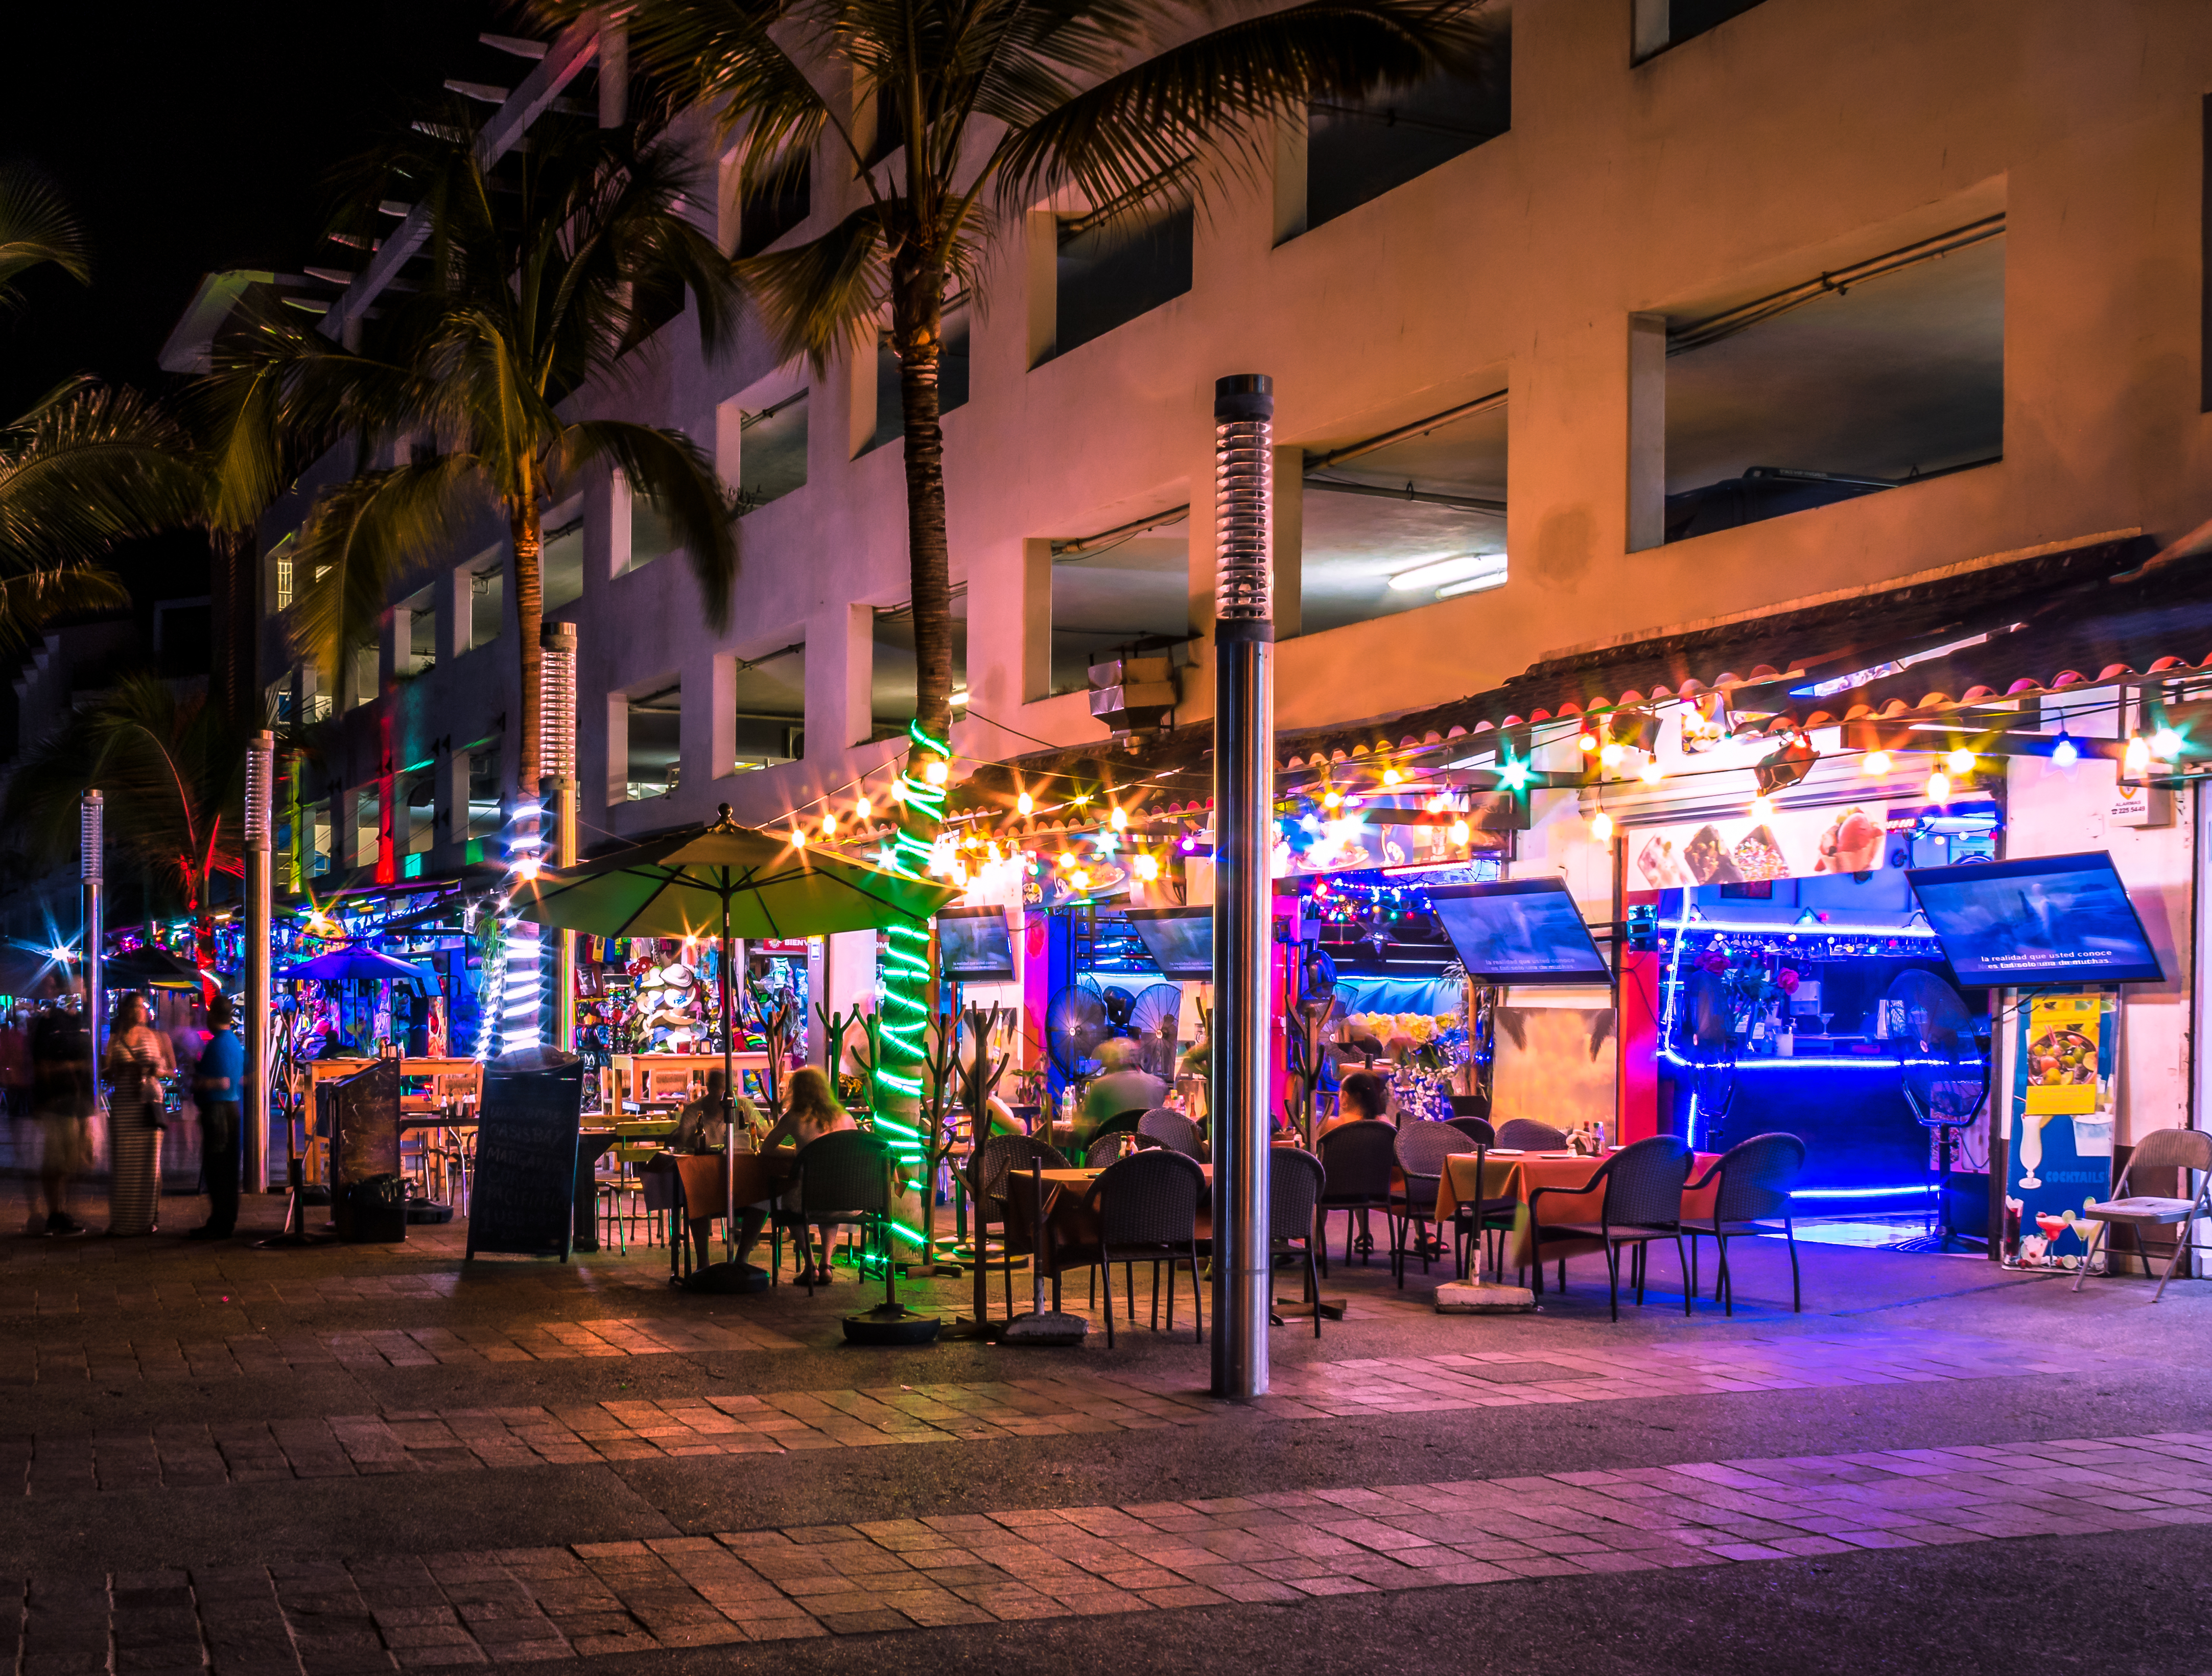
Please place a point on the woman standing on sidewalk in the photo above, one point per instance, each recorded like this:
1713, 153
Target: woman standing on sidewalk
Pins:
137, 1055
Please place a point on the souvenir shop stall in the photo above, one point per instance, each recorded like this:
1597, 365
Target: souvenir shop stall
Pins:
648, 1016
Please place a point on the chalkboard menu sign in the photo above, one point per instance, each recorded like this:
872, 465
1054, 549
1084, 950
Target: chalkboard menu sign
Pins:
525, 1195
363, 1110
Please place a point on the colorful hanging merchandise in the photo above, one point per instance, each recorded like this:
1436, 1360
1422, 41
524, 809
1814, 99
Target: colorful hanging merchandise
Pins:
670, 1014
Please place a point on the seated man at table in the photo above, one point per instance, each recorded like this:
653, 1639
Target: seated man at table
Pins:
704, 1124
1122, 1086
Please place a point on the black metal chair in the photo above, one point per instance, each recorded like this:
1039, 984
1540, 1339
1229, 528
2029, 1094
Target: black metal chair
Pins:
1173, 1130
1755, 1177
1147, 1210
1356, 1159
1295, 1180
1470, 1106
1527, 1135
1643, 1202
844, 1181
990, 1171
1477, 1129
1421, 1150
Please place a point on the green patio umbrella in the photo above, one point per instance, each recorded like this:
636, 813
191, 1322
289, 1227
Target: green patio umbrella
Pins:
728, 881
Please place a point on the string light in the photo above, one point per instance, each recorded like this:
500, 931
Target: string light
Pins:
798, 837
1119, 820
861, 811
1024, 804
830, 826
1514, 774
1079, 879
1874, 762
1145, 866
937, 771
1651, 773
1938, 787
1391, 777
1612, 754
2165, 744
1587, 742
2065, 754
1762, 808
1459, 832
2136, 758
1601, 827
1960, 762
1332, 798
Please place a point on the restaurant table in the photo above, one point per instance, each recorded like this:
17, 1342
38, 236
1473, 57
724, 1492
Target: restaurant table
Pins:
1518, 1174
705, 1176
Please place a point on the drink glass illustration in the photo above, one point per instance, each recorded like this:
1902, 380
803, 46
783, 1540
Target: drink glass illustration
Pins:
2031, 1147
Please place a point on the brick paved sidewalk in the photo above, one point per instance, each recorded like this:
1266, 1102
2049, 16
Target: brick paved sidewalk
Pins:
320, 1618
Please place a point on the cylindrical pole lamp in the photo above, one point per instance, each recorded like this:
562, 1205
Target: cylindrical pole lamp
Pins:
1244, 824
557, 731
253, 1110
91, 836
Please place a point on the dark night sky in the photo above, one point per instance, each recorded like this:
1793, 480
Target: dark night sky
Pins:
194, 138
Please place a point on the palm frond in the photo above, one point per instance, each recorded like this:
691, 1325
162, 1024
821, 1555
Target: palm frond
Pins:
36, 226
361, 534
87, 468
674, 472
1211, 94
30, 601
824, 297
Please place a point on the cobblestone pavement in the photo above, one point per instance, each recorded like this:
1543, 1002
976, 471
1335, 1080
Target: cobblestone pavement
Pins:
349, 1459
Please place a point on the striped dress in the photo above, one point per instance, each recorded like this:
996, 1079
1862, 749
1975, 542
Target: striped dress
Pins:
134, 1144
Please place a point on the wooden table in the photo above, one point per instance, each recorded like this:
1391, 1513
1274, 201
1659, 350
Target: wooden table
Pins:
1518, 1174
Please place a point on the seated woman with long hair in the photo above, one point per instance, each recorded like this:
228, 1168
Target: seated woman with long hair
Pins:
809, 1111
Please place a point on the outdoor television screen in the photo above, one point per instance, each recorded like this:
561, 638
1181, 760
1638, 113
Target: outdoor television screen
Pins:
972, 943
1522, 931
1179, 940
2045, 919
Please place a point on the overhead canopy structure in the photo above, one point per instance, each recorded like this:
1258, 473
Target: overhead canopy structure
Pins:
727, 881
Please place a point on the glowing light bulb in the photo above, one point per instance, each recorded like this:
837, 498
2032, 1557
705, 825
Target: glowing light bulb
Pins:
1587, 741
861, 810
527, 868
2137, 759
2165, 744
1938, 787
1459, 832
1079, 879
1119, 820
1960, 762
1332, 799
2065, 754
1762, 808
937, 772
1147, 867
1024, 804
1601, 827
1874, 762
1513, 775
1064, 859
1391, 777
1612, 754
830, 826
1651, 773
798, 837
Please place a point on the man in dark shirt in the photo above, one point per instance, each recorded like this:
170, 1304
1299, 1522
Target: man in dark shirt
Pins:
63, 1099
220, 1092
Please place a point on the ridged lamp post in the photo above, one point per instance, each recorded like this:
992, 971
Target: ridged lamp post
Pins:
261, 788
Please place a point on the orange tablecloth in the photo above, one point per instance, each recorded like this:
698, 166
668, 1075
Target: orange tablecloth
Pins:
1518, 1177
706, 1183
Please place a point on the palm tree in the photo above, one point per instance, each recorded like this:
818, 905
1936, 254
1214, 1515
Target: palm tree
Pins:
85, 468
171, 767
545, 270
995, 103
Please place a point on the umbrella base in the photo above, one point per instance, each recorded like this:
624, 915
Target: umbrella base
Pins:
1463, 1298
1045, 1327
726, 1277
892, 1324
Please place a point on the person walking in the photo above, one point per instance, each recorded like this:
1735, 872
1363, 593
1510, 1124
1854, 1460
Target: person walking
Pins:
219, 1091
64, 1099
138, 1057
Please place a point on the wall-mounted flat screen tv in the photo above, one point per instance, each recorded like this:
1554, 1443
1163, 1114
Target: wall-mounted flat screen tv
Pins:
1179, 940
1520, 931
972, 945
2043, 919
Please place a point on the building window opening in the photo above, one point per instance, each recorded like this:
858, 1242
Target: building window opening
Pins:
771, 452
1850, 385
891, 679
422, 814
361, 672
561, 566
1359, 148
367, 826
769, 702
774, 208
485, 815
487, 586
952, 377
1661, 24
1404, 521
656, 743
421, 645
319, 841
1114, 266
1128, 595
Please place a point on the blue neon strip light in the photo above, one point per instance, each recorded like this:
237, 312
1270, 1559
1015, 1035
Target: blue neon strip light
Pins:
1924, 1189
1811, 1061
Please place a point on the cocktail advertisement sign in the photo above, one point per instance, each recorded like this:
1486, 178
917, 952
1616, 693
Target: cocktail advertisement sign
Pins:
2065, 1099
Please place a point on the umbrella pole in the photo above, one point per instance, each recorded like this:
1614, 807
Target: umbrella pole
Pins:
729, 1088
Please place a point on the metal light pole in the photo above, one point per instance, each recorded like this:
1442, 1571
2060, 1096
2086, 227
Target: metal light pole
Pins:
556, 723
260, 777
1243, 822
91, 836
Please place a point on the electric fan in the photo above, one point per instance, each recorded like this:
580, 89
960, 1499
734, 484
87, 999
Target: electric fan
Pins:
1154, 1020
1075, 1028
1944, 1073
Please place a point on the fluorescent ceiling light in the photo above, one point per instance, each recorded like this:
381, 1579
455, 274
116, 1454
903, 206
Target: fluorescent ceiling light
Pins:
1473, 584
1431, 572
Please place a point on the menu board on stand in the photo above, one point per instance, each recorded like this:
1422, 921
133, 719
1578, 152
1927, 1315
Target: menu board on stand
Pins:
524, 1198
2065, 1095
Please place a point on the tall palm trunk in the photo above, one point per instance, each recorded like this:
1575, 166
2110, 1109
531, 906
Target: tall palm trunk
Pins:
530, 616
917, 336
